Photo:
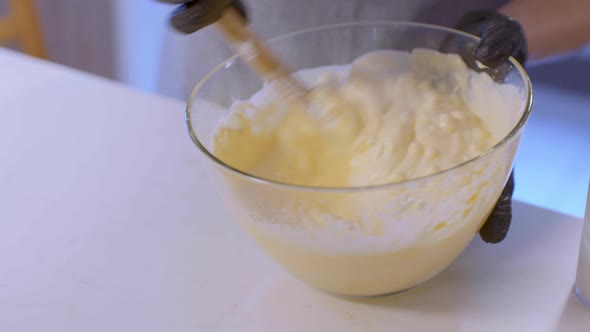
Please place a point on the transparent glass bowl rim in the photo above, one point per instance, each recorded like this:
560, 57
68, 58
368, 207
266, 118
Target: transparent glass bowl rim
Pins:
521, 122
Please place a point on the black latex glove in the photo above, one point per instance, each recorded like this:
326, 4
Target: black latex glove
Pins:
194, 15
501, 38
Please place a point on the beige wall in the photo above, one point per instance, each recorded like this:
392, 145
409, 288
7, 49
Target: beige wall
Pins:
78, 33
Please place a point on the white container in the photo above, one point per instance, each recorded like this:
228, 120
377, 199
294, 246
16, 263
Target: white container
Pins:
583, 277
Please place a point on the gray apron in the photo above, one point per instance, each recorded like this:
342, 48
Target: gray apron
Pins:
186, 59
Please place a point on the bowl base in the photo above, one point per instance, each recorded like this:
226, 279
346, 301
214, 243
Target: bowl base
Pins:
369, 297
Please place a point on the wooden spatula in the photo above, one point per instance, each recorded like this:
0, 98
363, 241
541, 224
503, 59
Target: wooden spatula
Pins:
253, 51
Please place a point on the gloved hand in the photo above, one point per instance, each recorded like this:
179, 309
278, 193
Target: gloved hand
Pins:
501, 38
194, 15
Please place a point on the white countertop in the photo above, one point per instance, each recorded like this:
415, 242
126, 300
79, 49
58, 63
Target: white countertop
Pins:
107, 223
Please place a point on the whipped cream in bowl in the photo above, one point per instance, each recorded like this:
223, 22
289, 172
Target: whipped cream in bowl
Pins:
387, 184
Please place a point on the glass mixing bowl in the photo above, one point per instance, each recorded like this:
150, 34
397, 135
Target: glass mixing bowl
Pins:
359, 241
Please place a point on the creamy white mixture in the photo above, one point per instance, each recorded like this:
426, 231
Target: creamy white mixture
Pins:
388, 117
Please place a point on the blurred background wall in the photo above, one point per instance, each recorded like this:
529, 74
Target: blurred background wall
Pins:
123, 40
118, 39
79, 33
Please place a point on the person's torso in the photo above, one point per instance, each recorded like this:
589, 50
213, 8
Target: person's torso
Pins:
275, 17
187, 59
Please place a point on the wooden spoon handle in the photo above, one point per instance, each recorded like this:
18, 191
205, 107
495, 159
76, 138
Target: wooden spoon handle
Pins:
251, 48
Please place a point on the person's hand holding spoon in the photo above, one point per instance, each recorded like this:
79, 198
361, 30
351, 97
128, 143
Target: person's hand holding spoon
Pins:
229, 17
